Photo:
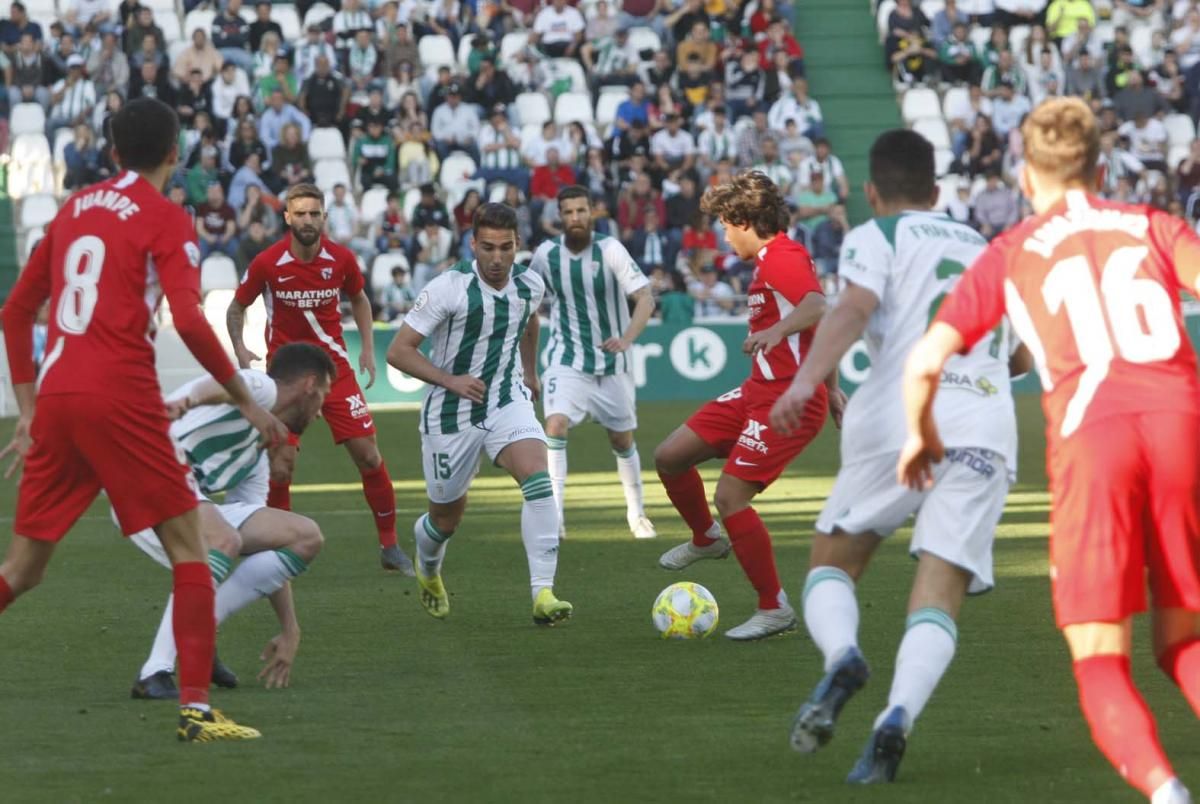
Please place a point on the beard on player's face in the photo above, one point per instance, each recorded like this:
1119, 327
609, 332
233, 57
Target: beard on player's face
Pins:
305, 233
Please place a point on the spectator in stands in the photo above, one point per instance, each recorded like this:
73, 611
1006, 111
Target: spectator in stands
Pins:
650, 247
958, 206
248, 175
216, 224
33, 73
150, 82
639, 197
682, 206
143, 26
663, 105
1084, 40
429, 209
1086, 79
558, 30
395, 40
344, 226
1117, 163
957, 57
202, 175
265, 56
282, 79
72, 99
1137, 99
491, 86
500, 151
699, 43
516, 199
812, 206
713, 297
195, 97
536, 150
324, 96
995, 208
17, 25
1168, 80
255, 209
546, 180
1020, 12
83, 160
1146, 13
984, 151
1148, 141
231, 35
362, 60
200, 55
398, 297
313, 47
1005, 70
1063, 17
395, 234
435, 252
262, 25
150, 51
674, 304
1008, 110
277, 115
253, 242
455, 125
410, 111
465, 210
961, 113
749, 142
824, 161
672, 147
107, 65
773, 166
942, 25
374, 158
800, 107
826, 245
349, 21
1187, 175
716, 142
290, 162
609, 60
634, 107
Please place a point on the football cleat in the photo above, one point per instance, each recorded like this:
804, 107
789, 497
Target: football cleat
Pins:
157, 687
881, 758
549, 610
433, 594
222, 676
765, 623
642, 528
814, 723
393, 559
199, 726
686, 554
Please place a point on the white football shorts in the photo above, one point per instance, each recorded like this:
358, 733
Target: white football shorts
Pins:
450, 462
609, 400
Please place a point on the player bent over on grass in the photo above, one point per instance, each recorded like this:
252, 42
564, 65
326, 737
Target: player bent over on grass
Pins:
95, 420
481, 318
1092, 288
591, 279
898, 268
786, 303
225, 457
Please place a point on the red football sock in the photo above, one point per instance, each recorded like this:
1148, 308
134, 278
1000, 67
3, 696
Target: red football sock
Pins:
6, 594
1181, 663
1122, 726
381, 497
686, 492
195, 624
752, 546
279, 495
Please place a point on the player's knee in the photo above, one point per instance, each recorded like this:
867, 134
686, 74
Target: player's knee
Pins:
308, 541
557, 426
225, 540
728, 502
666, 461
620, 442
368, 460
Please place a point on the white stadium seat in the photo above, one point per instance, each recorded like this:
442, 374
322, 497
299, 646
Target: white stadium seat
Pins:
317, 14
931, 7
436, 50
218, 272
1141, 39
374, 204
198, 19
933, 129
1177, 154
289, 21
32, 238
328, 173
1016, 38
955, 96
169, 22
464, 50
456, 191
158, 6
571, 107
920, 102
642, 39
456, 168
1180, 129
381, 269
326, 143
30, 167
566, 68
881, 17
512, 44
497, 193
38, 210
27, 118
980, 35
606, 106
947, 189
942, 159
411, 199
533, 109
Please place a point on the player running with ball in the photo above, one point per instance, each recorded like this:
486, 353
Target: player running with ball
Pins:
1092, 288
785, 304
94, 420
301, 279
481, 318
898, 267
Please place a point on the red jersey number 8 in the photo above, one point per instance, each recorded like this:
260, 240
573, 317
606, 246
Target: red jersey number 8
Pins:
85, 260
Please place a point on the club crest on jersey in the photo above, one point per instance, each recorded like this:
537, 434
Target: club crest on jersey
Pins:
193, 253
327, 273
751, 437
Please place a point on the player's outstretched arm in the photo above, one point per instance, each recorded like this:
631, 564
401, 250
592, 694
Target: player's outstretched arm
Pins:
360, 308
922, 373
404, 354
280, 652
235, 324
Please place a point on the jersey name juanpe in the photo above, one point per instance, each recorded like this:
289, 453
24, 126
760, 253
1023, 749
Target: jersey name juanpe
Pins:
783, 275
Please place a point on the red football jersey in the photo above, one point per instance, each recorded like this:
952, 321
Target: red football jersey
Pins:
1092, 288
107, 257
783, 275
302, 298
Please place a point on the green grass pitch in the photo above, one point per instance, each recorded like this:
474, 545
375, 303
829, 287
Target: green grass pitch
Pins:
388, 704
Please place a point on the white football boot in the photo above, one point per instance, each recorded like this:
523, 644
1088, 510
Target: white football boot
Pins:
642, 528
686, 554
765, 623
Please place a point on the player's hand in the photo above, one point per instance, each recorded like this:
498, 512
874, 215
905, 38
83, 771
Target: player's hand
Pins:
366, 362
279, 656
920, 453
615, 345
272, 431
244, 356
763, 341
535, 388
788, 410
837, 406
466, 386
19, 446
177, 407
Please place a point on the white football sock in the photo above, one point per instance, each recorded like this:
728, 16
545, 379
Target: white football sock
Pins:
556, 461
539, 531
629, 469
431, 545
259, 575
924, 654
831, 612
162, 653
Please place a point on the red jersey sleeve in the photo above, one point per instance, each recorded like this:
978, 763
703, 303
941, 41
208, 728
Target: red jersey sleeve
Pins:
177, 258
253, 283
976, 304
20, 311
352, 277
794, 275
1180, 247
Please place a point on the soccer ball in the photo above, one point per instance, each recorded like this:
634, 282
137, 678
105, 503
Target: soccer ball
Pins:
685, 610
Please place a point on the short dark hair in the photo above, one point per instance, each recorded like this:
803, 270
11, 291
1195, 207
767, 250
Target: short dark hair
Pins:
574, 191
494, 216
901, 166
294, 360
143, 133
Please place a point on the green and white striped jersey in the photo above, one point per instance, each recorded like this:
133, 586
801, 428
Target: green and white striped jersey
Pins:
474, 329
589, 295
220, 445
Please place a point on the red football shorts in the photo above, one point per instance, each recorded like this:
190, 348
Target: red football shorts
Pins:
735, 424
346, 410
83, 443
1125, 497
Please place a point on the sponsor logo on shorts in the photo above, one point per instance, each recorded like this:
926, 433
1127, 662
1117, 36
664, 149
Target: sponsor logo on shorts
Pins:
358, 408
981, 461
965, 382
751, 437
524, 430
740, 462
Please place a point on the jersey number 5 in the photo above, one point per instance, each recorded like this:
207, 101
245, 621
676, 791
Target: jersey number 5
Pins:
1138, 313
85, 260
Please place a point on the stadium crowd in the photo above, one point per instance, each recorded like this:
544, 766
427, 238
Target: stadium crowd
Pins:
1136, 62
410, 113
